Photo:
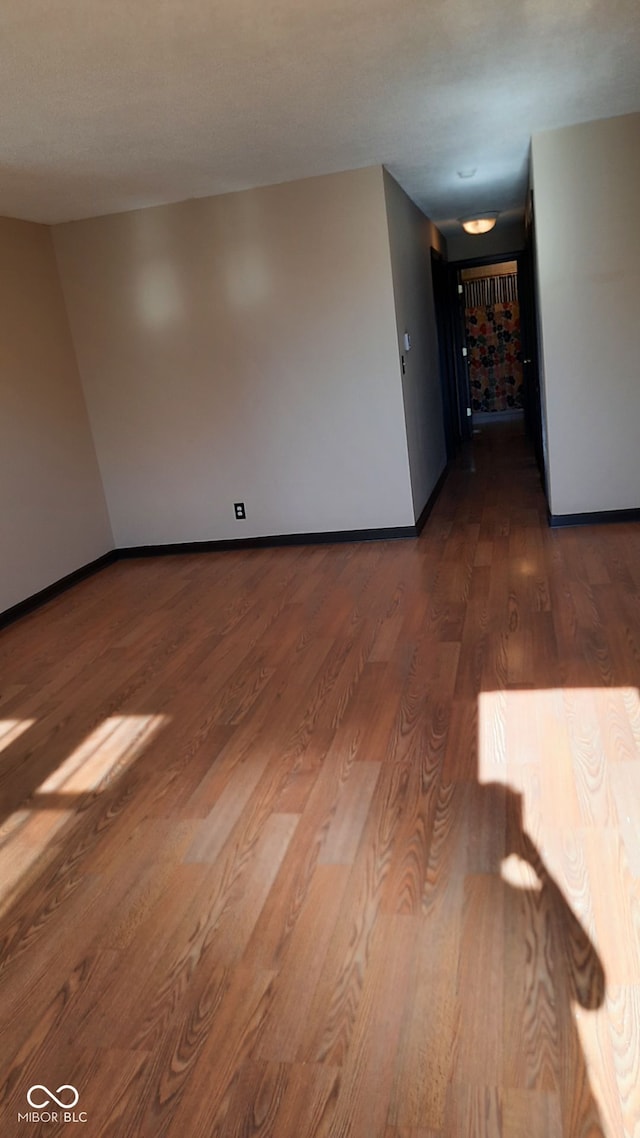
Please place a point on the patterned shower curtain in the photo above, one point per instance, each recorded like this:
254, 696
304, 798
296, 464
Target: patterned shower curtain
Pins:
492, 318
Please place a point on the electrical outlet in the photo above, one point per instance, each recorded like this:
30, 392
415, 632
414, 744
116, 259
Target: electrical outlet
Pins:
240, 511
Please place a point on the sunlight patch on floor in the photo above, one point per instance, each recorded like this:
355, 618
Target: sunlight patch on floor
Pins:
103, 755
29, 837
519, 874
12, 729
574, 756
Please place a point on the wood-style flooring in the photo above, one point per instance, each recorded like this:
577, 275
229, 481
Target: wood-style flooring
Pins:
332, 842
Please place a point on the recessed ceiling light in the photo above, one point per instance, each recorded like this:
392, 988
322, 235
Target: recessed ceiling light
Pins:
468, 172
480, 224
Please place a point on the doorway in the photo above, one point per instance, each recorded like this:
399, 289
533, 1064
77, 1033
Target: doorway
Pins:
491, 307
516, 393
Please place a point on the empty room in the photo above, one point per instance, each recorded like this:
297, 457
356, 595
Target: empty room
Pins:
320, 570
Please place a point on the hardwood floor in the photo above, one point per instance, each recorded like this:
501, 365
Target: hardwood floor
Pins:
333, 842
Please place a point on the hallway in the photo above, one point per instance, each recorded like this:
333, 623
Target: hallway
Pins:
335, 841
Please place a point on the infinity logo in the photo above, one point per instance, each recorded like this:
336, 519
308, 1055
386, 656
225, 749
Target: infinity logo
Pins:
60, 1102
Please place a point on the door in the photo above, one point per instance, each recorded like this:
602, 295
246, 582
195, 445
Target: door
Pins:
451, 405
530, 344
463, 390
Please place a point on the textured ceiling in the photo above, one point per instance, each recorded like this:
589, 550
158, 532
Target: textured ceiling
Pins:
109, 105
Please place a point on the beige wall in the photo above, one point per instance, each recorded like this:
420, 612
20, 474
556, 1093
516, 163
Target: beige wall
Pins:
585, 183
411, 236
242, 347
52, 505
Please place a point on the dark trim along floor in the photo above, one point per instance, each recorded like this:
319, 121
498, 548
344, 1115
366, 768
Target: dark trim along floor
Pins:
598, 517
330, 537
421, 521
388, 533
47, 594
269, 542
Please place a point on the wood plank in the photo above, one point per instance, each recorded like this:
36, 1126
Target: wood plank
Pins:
623, 1005
531, 1114
290, 1026
476, 1110
345, 831
356, 852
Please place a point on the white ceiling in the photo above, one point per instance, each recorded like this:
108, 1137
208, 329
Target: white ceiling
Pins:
109, 105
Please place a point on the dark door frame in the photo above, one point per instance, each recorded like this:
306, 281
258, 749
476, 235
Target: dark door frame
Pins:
524, 259
446, 352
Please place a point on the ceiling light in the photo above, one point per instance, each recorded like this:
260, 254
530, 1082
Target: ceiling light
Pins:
479, 224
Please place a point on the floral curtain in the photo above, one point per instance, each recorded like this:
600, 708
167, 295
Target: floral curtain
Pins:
493, 345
